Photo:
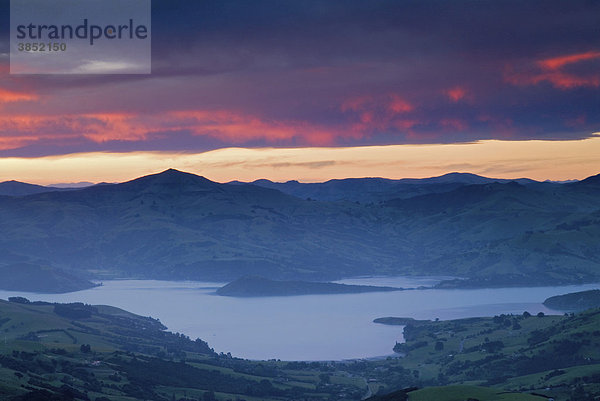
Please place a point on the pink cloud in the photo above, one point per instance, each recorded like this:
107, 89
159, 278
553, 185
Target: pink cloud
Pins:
456, 94
8, 96
551, 70
555, 63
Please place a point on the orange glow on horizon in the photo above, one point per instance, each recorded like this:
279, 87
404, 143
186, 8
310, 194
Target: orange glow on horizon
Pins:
555, 160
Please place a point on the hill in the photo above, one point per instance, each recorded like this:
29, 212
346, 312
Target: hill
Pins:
379, 189
550, 355
43, 279
502, 234
176, 225
253, 286
96, 353
16, 188
575, 301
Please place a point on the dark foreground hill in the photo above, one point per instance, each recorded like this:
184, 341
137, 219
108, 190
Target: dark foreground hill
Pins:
97, 353
176, 225
68, 352
551, 356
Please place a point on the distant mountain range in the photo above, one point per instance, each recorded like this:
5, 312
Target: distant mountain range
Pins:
176, 225
378, 189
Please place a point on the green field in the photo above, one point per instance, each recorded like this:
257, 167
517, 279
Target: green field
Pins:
84, 352
553, 355
461, 393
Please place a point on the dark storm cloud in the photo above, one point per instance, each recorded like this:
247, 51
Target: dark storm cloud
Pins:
294, 73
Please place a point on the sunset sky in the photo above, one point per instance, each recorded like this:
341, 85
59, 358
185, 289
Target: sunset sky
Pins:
313, 90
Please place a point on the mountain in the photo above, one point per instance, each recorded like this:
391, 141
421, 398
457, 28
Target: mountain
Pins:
176, 225
16, 188
379, 189
507, 232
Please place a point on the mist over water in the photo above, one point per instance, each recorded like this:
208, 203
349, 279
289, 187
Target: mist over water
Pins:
308, 327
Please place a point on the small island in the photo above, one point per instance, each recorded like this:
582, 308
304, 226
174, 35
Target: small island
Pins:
575, 301
398, 321
255, 286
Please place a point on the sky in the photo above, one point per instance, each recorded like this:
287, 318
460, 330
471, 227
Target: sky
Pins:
313, 90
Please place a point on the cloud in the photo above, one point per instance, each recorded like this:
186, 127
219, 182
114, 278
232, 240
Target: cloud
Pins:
324, 73
456, 93
552, 70
555, 63
8, 96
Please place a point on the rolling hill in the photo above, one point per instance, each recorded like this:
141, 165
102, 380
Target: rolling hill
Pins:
176, 225
16, 188
373, 189
557, 356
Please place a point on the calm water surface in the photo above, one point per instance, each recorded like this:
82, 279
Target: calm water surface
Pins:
308, 327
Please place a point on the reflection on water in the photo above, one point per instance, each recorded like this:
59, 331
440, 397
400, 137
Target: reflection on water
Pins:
308, 327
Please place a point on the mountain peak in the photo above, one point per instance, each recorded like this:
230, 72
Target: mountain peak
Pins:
173, 180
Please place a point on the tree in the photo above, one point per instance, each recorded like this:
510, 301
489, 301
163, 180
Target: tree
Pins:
324, 378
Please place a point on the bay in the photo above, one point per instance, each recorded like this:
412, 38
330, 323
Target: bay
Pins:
308, 327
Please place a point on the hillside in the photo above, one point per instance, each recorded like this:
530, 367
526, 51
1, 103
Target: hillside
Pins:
253, 286
552, 355
504, 234
575, 301
16, 188
94, 353
43, 279
83, 352
176, 225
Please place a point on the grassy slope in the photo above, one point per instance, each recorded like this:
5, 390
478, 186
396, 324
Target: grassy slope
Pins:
510, 353
461, 393
132, 357
30, 277
575, 301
